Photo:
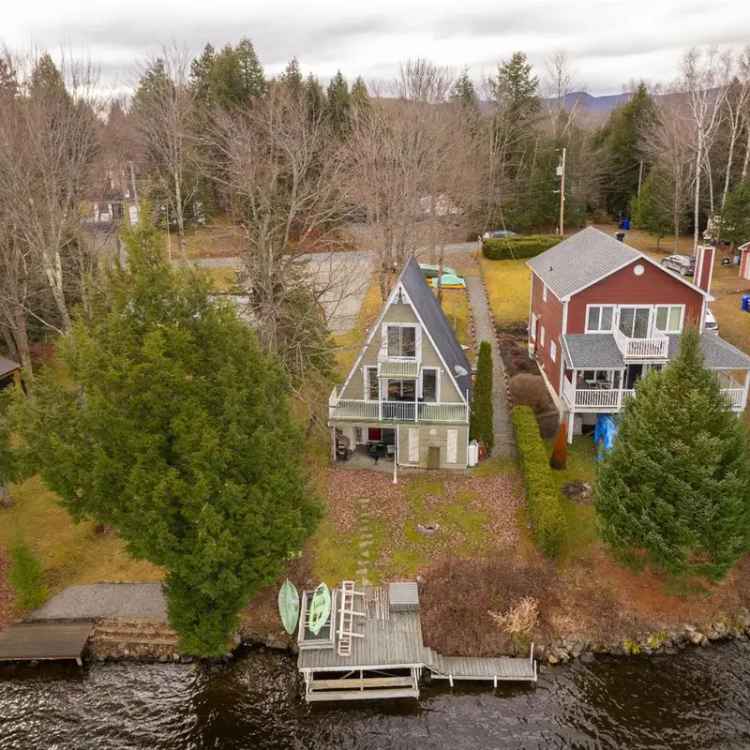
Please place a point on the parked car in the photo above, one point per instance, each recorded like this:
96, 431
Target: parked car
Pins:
710, 324
499, 234
448, 281
681, 264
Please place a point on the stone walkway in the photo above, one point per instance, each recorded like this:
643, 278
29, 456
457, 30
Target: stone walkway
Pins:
484, 329
365, 541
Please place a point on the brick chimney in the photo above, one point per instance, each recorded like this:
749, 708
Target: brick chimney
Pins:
704, 266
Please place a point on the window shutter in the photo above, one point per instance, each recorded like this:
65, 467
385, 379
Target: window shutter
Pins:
413, 445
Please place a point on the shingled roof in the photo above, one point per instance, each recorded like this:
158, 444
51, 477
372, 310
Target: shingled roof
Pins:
7, 366
583, 259
437, 325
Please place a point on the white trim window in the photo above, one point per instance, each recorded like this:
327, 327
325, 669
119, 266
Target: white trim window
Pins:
600, 318
401, 341
532, 327
544, 292
541, 336
553, 350
668, 318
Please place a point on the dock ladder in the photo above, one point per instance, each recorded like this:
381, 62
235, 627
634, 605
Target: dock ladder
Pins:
347, 613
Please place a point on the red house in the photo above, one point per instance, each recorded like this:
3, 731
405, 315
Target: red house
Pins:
604, 314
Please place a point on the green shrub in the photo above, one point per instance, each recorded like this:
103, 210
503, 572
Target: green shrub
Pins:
513, 248
542, 496
481, 419
26, 577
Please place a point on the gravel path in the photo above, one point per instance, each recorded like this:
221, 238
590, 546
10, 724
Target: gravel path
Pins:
485, 331
141, 601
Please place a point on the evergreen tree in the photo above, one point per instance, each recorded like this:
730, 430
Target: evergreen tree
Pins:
292, 79
200, 77
652, 209
464, 93
8, 79
179, 436
622, 141
735, 218
339, 105
227, 85
315, 98
251, 71
481, 418
515, 88
46, 80
360, 96
677, 482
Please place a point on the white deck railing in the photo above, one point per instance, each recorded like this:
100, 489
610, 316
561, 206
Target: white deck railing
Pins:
655, 347
736, 398
397, 411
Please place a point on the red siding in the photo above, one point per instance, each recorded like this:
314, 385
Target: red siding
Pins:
654, 287
745, 264
550, 315
704, 266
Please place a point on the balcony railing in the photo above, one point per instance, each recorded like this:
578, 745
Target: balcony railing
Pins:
397, 411
613, 399
655, 347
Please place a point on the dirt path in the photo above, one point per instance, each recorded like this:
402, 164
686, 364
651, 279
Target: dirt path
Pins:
485, 331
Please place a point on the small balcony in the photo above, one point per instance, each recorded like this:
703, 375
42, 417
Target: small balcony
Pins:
396, 411
654, 347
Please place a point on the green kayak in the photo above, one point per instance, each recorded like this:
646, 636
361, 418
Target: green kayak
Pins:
289, 606
320, 609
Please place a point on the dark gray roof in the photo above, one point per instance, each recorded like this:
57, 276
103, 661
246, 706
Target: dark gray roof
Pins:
583, 259
717, 353
429, 310
588, 351
8, 366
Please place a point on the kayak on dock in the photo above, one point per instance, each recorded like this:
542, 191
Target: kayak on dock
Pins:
289, 606
320, 609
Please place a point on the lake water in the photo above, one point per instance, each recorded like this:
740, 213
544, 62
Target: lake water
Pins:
698, 699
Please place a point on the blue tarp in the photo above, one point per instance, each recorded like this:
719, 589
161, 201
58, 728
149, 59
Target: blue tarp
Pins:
605, 433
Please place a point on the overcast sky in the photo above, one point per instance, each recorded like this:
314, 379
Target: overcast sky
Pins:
610, 42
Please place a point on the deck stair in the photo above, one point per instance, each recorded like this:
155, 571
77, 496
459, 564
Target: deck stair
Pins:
494, 669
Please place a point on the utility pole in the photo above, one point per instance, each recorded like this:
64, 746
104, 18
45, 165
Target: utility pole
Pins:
640, 177
561, 175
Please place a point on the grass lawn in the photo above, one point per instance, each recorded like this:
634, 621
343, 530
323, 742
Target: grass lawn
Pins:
508, 287
70, 553
222, 279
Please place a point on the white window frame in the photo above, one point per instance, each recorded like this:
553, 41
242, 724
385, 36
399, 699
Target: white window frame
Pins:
650, 308
552, 350
436, 370
532, 327
601, 330
668, 307
368, 382
417, 340
541, 336
544, 292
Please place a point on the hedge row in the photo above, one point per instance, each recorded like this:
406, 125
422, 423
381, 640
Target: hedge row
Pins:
542, 494
481, 421
513, 248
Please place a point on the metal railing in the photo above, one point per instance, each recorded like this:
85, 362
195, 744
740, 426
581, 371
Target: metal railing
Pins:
736, 398
397, 411
655, 347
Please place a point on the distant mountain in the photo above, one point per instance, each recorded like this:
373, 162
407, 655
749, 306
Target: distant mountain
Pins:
587, 103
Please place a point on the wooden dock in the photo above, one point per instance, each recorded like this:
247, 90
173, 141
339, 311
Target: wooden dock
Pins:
385, 655
45, 641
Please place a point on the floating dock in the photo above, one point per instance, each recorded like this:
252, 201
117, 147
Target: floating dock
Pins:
372, 648
45, 641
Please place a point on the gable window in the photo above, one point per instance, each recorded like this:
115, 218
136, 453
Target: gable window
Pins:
669, 318
373, 393
429, 384
402, 341
553, 351
599, 318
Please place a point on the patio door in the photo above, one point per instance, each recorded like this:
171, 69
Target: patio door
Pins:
635, 322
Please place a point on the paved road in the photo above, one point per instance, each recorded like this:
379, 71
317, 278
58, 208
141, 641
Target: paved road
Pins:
485, 331
141, 601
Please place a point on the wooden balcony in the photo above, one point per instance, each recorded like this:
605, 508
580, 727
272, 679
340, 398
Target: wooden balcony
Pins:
655, 347
396, 411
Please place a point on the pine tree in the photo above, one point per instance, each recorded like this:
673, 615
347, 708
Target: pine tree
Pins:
652, 209
481, 419
292, 79
515, 88
464, 93
183, 442
360, 96
200, 77
735, 218
677, 482
315, 98
8, 79
339, 105
46, 80
251, 71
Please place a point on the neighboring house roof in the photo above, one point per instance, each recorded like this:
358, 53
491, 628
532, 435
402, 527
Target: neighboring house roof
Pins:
591, 351
8, 366
439, 329
585, 258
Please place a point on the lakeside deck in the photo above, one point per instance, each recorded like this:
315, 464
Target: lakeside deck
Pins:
45, 641
374, 649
